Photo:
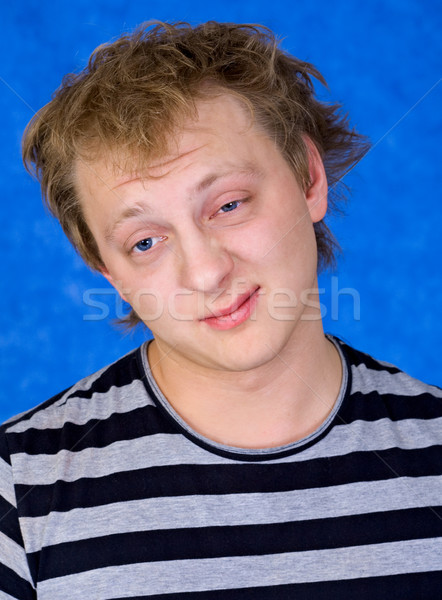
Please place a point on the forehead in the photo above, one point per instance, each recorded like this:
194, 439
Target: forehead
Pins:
221, 127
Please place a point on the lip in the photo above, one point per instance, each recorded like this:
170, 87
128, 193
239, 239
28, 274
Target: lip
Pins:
235, 314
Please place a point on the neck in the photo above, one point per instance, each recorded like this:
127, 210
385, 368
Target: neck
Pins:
277, 403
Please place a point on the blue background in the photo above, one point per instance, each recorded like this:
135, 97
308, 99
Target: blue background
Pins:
382, 62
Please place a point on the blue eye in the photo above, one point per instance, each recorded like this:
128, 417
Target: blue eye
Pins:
144, 245
147, 244
230, 206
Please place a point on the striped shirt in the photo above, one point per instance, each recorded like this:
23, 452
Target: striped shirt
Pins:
105, 493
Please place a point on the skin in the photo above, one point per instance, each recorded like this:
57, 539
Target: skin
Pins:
227, 223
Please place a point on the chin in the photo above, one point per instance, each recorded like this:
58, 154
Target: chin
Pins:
241, 355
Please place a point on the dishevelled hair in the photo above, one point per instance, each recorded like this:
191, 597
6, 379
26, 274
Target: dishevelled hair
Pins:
135, 92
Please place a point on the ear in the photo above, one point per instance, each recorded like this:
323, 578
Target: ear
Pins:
116, 284
316, 193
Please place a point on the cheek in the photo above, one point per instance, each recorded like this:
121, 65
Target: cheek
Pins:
281, 242
160, 303
255, 242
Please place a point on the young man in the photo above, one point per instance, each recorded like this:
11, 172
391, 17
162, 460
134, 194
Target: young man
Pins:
242, 453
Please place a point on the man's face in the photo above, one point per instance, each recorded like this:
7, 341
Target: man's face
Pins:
213, 246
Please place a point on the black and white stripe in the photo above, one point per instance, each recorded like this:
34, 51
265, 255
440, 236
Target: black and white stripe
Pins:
106, 494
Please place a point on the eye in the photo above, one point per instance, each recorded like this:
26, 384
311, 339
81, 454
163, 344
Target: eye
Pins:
230, 206
147, 244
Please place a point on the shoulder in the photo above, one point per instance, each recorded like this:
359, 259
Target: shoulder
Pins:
93, 398
375, 385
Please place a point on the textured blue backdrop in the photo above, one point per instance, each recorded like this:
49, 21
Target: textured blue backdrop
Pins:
382, 62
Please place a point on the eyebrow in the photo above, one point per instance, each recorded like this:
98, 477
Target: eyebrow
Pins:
129, 213
248, 170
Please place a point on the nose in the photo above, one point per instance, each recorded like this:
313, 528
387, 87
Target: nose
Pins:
204, 264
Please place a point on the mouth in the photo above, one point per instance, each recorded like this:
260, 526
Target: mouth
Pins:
235, 314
